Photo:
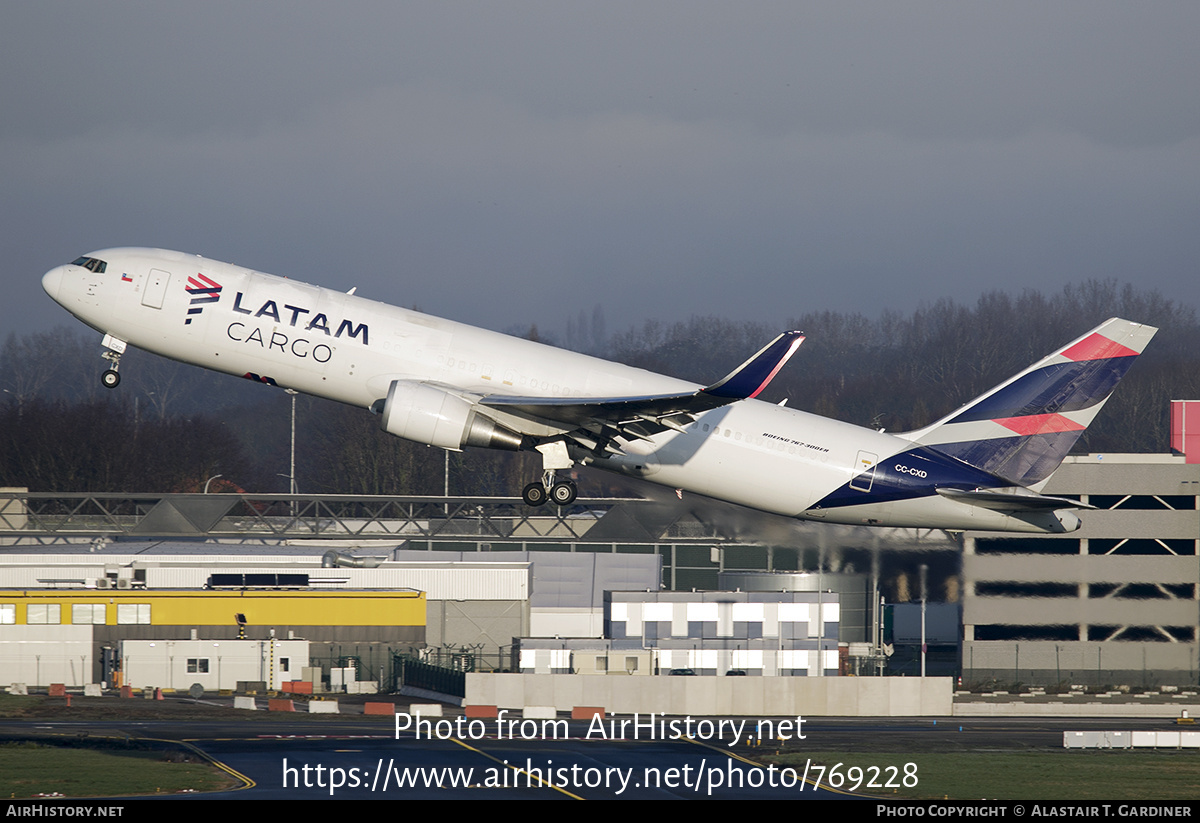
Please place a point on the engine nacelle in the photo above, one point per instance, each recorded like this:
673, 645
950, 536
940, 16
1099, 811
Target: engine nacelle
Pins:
426, 414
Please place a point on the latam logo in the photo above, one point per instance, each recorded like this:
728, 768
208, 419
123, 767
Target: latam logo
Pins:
203, 290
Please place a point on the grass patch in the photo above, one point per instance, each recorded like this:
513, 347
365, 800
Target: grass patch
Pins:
1042, 775
15, 705
103, 769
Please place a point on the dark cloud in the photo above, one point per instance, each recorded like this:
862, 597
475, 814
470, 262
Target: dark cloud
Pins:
512, 163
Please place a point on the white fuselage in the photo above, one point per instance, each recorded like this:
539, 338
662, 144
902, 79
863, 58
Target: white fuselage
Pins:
350, 349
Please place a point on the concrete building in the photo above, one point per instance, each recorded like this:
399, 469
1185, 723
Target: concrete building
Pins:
64, 610
1117, 602
214, 664
74, 636
708, 633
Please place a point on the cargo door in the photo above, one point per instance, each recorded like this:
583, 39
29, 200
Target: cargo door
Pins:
156, 288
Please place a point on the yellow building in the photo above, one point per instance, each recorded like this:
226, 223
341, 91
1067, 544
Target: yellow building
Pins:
70, 635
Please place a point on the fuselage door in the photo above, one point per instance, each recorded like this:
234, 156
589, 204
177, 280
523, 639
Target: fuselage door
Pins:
864, 468
156, 288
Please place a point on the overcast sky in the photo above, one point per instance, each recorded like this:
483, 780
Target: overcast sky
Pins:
504, 163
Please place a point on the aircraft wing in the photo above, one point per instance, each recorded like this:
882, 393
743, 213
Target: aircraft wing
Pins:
641, 416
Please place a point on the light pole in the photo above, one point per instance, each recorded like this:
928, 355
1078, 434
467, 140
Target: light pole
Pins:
292, 466
292, 461
924, 572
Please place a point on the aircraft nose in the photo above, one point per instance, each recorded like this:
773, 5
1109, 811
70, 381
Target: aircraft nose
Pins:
52, 283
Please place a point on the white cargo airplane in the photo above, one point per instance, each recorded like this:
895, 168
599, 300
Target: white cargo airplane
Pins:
450, 385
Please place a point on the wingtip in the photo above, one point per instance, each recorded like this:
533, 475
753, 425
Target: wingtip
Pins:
749, 379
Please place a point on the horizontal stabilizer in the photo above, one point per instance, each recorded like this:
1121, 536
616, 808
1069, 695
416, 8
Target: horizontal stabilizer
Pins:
1017, 500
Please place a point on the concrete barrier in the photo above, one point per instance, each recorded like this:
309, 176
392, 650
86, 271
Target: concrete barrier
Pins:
539, 712
323, 707
240, 702
586, 712
279, 704
388, 709
480, 711
1131, 740
92, 690
719, 696
1076, 709
425, 709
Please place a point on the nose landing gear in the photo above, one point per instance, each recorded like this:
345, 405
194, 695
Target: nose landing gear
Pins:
111, 378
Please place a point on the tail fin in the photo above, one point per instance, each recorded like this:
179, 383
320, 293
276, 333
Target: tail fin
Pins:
1022, 429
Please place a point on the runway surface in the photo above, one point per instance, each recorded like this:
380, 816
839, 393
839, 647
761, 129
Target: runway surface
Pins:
358, 758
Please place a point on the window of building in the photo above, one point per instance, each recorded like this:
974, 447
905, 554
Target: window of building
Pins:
1025, 545
285, 664
43, 614
1143, 502
1009, 589
1141, 634
601, 663
1141, 546
8, 613
197, 665
87, 614
129, 614
1058, 633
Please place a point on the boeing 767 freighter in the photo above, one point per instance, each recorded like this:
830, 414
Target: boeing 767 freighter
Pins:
455, 386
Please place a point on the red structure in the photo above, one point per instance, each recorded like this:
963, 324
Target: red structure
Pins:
1185, 429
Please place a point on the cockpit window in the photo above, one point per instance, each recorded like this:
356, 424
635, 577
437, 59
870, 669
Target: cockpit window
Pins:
91, 264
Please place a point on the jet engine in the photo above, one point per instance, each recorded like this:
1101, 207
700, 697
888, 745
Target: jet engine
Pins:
426, 414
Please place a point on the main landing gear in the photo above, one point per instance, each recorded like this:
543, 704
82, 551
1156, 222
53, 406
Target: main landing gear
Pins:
563, 492
111, 377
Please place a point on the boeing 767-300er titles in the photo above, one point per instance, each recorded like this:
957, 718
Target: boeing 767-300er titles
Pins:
450, 385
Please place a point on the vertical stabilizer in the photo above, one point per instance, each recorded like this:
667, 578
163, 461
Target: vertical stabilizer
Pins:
1022, 429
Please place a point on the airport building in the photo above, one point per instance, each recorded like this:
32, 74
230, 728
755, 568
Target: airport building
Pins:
78, 636
1117, 602
700, 633
65, 612
605, 587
